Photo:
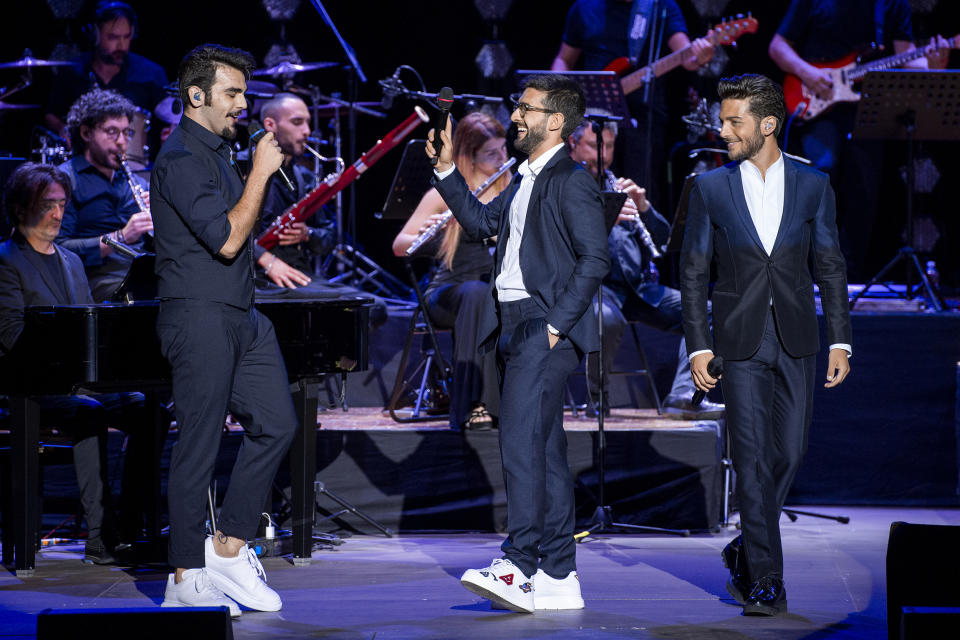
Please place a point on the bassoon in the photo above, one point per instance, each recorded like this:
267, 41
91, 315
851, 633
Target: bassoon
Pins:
322, 194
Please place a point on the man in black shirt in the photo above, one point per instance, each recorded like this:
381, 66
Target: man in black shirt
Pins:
110, 65
223, 353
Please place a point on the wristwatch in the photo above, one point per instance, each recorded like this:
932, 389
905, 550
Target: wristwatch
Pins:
553, 330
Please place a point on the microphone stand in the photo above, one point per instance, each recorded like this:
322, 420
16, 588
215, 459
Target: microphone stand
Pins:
602, 520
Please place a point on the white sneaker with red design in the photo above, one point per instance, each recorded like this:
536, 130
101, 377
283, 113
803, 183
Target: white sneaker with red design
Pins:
503, 583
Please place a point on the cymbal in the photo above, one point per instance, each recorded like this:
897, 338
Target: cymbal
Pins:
287, 68
30, 61
261, 89
11, 106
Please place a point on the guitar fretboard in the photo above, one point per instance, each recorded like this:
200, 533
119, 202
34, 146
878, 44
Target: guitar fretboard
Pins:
898, 60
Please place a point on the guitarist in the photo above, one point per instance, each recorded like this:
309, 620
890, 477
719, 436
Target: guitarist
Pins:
599, 31
821, 31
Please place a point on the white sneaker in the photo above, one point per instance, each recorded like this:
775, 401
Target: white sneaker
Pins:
503, 583
196, 590
553, 594
242, 578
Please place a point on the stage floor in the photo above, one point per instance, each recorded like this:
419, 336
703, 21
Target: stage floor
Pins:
634, 586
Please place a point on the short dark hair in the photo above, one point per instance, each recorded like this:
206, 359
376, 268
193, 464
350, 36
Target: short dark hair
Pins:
108, 11
765, 96
91, 109
564, 96
269, 108
199, 68
25, 189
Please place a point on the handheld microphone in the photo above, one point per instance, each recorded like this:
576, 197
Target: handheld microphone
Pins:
444, 101
256, 134
715, 369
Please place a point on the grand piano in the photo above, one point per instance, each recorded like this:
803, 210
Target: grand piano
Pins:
113, 347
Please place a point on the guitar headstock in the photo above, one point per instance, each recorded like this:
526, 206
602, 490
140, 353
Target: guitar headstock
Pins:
729, 30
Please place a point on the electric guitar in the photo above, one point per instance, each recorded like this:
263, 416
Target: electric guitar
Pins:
724, 33
844, 73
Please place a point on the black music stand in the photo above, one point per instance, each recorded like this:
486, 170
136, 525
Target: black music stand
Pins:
410, 182
601, 88
911, 106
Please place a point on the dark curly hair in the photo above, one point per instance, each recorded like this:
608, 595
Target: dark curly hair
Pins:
25, 189
199, 68
93, 108
564, 96
765, 96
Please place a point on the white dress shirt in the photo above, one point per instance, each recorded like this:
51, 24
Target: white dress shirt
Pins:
764, 195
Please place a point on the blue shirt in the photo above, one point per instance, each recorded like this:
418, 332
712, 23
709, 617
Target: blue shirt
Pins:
195, 183
97, 206
827, 30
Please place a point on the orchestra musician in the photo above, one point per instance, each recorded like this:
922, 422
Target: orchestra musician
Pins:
632, 290
599, 31
35, 271
109, 65
103, 202
459, 288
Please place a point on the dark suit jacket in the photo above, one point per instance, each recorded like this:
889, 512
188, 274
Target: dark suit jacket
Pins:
563, 254
720, 231
24, 282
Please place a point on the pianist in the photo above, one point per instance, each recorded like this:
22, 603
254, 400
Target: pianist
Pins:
34, 271
223, 353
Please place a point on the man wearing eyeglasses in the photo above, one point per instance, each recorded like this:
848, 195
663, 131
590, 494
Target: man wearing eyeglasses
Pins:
550, 258
102, 204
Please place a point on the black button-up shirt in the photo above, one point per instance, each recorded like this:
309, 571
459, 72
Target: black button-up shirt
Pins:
141, 80
195, 182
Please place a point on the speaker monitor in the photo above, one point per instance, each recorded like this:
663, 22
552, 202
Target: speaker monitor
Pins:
923, 562
210, 623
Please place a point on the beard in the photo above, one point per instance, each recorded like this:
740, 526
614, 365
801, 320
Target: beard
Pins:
749, 147
229, 132
117, 57
533, 138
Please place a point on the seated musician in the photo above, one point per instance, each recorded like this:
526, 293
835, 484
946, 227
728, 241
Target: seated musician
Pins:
109, 65
102, 201
287, 270
34, 271
632, 290
462, 283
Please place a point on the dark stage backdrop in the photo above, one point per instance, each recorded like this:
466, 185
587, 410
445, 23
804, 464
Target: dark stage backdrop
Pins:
440, 38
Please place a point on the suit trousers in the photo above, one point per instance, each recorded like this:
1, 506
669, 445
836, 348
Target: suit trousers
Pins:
769, 399
533, 445
223, 359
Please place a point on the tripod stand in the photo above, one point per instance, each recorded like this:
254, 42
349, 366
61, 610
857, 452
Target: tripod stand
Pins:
907, 105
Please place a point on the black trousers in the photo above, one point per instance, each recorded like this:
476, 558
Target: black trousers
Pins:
223, 359
769, 400
533, 445
458, 307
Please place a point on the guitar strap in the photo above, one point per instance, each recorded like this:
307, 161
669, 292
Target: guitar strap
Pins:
639, 28
879, 9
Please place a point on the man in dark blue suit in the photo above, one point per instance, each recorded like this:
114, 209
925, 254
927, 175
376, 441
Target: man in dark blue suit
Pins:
762, 221
550, 258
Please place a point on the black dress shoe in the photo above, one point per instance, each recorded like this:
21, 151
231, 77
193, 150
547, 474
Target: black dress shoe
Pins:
96, 552
767, 597
731, 555
737, 586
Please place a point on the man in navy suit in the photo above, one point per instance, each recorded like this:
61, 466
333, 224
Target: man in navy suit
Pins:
761, 221
550, 258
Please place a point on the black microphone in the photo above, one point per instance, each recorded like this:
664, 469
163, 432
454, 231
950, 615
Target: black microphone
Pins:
256, 133
391, 89
715, 369
444, 101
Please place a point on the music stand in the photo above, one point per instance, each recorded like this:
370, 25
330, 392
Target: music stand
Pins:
601, 88
911, 106
411, 181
